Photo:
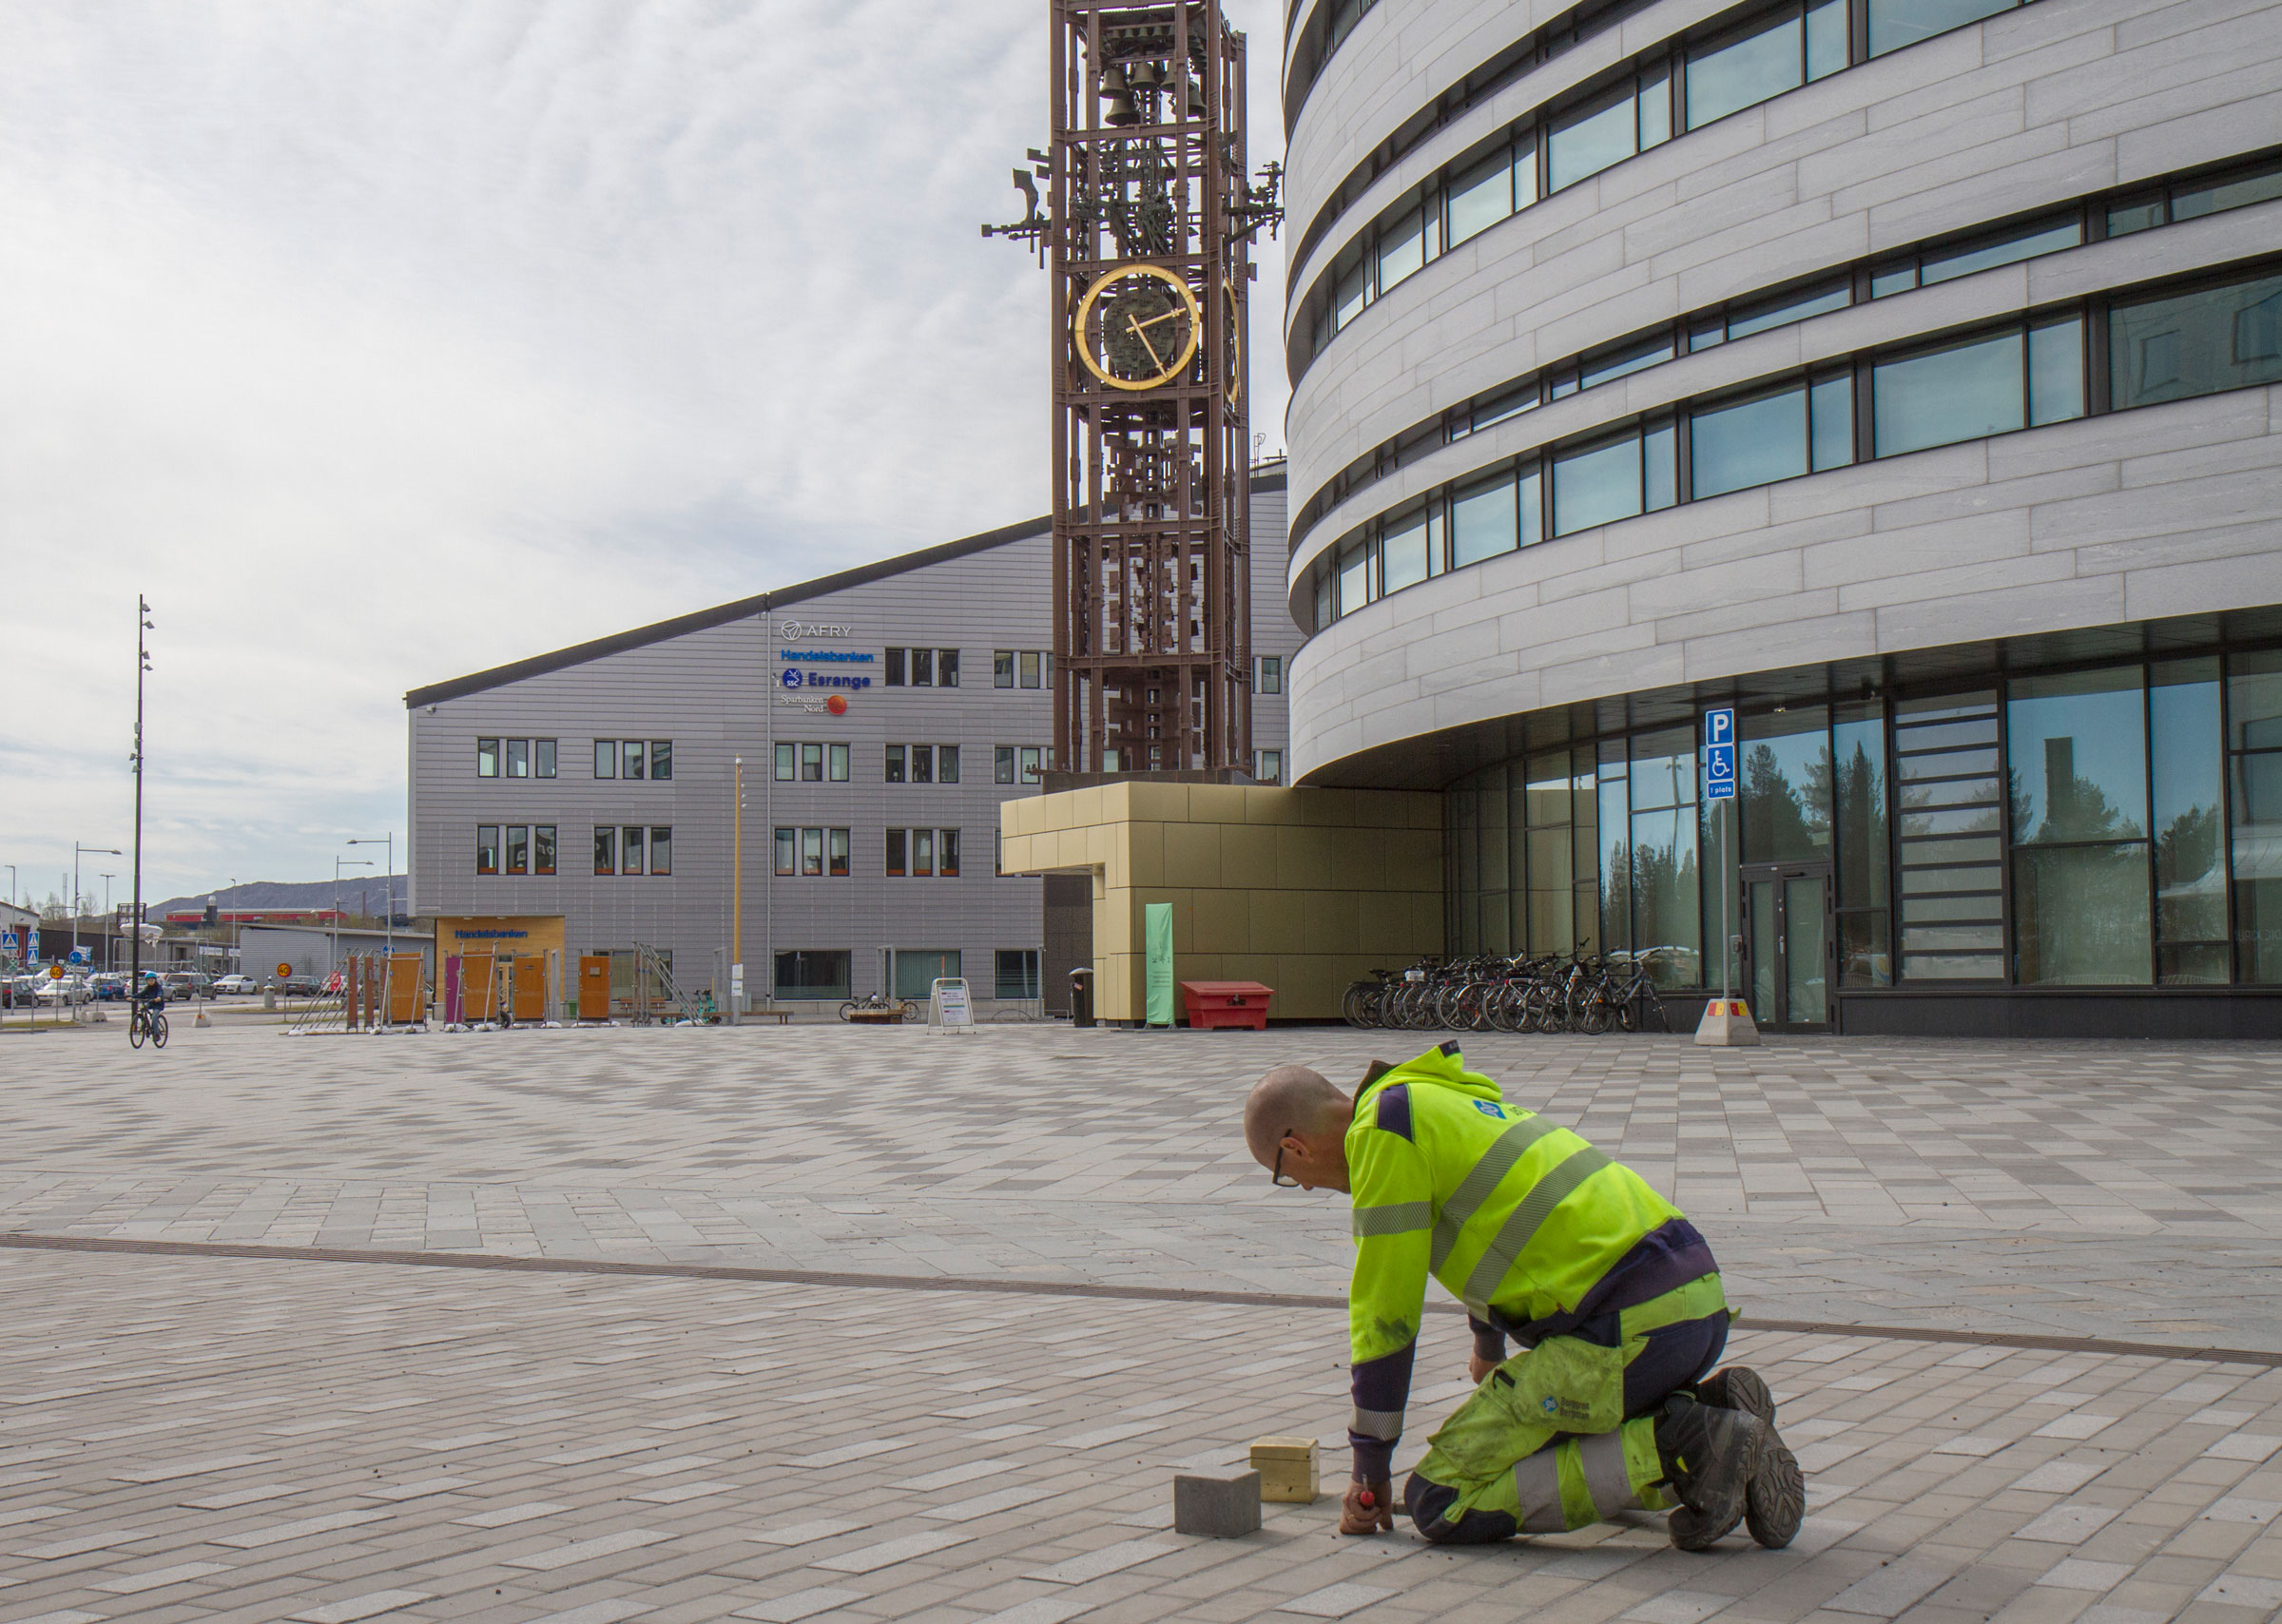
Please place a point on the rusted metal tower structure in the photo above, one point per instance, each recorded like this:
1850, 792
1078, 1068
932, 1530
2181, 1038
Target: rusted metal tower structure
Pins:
1147, 233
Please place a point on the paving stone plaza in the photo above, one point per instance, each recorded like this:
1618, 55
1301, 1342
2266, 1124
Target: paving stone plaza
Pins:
814, 1323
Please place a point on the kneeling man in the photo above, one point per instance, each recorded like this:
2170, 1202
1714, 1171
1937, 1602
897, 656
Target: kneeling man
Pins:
1612, 1295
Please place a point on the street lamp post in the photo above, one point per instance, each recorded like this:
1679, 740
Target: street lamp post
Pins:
339, 863
388, 887
142, 624
110, 942
79, 851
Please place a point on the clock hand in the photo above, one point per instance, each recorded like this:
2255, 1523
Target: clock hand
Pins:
1145, 343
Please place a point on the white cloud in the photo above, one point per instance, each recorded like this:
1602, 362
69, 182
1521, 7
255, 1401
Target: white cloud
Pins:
380, 344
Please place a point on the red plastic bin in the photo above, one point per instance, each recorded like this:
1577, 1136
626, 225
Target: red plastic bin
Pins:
1209, 1004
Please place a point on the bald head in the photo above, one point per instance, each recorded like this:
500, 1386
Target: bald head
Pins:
1291, 1099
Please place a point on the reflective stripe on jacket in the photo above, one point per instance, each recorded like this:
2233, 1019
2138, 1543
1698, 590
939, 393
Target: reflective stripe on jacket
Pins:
1519, 1218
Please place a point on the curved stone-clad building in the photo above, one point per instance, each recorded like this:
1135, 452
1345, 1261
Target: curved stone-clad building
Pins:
1902, 373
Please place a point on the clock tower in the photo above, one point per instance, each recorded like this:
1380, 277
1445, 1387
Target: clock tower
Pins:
1147, 229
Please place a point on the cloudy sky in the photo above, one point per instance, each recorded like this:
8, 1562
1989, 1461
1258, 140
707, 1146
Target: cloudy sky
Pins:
376, 342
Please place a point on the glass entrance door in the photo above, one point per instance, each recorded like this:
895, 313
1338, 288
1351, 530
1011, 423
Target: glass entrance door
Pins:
1788, 944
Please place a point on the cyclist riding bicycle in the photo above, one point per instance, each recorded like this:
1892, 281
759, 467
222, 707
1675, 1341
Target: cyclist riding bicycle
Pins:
151, 996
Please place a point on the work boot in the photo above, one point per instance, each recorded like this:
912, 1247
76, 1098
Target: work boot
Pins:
1777, 1498
1709, 1457
1738, 1387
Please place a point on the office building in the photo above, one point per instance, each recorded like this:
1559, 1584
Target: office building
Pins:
583, 802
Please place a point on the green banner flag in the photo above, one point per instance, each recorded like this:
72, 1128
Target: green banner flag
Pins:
1157, 931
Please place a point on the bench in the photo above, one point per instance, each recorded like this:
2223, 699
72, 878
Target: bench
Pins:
783, 1017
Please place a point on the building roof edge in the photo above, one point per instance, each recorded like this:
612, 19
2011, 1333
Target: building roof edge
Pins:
1270, 475
721, 615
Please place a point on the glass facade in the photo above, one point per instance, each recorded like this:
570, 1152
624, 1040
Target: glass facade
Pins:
2116, 825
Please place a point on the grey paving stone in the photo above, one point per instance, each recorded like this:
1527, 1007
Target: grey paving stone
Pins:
1335, 1601
799, 1605
1218, 1502
371, 1604
871, 1558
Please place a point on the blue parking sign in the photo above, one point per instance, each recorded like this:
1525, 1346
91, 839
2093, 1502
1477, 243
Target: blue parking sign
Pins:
1719, 755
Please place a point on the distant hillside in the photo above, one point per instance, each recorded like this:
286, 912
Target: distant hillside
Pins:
359, 894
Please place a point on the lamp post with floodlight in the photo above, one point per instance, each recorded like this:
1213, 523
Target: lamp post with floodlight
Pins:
339, 863
142, 624
388, 887
79, 851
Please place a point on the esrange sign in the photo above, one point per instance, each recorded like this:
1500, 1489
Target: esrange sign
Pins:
795, 679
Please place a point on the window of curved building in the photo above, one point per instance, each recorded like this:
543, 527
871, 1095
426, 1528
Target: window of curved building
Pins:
2171, 343
2190, 194
1734, 63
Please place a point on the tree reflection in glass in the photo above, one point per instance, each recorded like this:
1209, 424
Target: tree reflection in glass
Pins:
2184, 744
2076, 780
1787, 784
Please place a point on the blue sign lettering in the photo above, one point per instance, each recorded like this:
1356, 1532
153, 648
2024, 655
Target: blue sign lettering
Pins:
1719, 772
790, 679
1719, 727
835, 656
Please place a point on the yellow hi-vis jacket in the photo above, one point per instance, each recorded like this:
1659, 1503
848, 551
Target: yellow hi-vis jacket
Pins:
1517, 1217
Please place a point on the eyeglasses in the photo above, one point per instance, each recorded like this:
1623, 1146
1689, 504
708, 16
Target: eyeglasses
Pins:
1276, 1175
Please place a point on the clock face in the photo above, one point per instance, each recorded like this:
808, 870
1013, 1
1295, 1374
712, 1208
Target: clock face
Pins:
1235, 343
1137, 327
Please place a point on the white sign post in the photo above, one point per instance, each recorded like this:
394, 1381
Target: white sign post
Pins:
1726, 1023
948, 1006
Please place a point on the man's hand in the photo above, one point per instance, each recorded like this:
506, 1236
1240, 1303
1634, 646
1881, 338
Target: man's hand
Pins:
1355, 1517
1478, 1368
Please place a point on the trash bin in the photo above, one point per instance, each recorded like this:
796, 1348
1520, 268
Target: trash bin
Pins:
1081, 996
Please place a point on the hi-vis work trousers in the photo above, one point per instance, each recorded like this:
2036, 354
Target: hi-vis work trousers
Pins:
1563, 1434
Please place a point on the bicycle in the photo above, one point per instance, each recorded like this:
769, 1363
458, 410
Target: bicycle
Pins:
146, 1023
1633, 992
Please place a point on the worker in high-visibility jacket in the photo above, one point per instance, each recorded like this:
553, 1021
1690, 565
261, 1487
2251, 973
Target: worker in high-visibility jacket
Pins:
1612, 1297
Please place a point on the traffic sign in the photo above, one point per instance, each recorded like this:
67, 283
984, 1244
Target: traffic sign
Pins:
8, 942
284, 969
79, 955
1719, 755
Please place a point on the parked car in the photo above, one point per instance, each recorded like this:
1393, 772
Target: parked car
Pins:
65, 989
299, 986
235, 984
186, 984
20, 991
109, 985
